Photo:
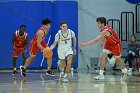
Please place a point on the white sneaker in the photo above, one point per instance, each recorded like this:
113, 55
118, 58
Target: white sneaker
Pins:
61, 74
99, 77
65, 80
124, 75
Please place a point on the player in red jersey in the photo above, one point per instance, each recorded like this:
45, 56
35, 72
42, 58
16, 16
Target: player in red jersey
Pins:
112, 44
38, 43
19, 43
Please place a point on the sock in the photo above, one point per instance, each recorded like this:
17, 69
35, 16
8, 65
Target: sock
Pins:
15, 69
123, 70
101, 72
49, 68
139, 69
62, 69
71, 69
65, 75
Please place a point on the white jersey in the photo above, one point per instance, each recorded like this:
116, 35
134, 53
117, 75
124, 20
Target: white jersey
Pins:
64, 40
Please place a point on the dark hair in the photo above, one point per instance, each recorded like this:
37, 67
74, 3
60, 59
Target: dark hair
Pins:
46, 21
22, 26
101, 20
63, 22
134, 37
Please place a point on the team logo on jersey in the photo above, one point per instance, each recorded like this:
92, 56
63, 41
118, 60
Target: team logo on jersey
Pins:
65, 40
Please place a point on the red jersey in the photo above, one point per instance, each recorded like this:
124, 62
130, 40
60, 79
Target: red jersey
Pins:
33, 44
35, 37
20, 41
113, 38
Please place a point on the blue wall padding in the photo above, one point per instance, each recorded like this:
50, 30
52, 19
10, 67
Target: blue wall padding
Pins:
31, 13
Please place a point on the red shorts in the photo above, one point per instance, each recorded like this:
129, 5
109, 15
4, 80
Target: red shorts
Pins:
34, 48
18, 51
115, 49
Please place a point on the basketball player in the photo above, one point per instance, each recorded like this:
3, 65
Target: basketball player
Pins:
36, 44
65, 52
19, 43
112, 44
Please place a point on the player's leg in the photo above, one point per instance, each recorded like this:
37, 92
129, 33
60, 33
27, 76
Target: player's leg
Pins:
49, 62
61, 55
62, 67
24, 57
27, 63
73, 59
15, 56
49, 71
120, 62
116, 50
14, 65
122, 67
29, 60
102, 64
72, 70
33, 51
69, 57
68, 67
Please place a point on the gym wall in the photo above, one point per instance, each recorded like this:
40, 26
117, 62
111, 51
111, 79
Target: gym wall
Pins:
31, 13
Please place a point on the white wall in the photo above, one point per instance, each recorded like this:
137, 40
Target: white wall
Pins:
111, 9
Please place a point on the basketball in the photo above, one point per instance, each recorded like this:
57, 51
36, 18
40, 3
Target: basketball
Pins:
47, 52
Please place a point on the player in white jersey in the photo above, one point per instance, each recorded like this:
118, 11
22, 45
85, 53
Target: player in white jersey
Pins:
65, 50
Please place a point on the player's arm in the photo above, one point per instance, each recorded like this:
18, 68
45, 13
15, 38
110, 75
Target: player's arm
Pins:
74, 41
40, 35
101, 36
102, 42
53, 45
13, 40
55, 42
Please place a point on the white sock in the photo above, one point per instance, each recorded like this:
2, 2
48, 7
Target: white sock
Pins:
139, 69
71, 69
15, 69
48, 68
62, 69
101, 72
65, 75
123, 70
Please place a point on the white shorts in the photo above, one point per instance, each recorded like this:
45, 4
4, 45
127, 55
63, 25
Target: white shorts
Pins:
64, 52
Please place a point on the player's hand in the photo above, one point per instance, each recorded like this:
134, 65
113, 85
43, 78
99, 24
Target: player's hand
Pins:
74, 51
83, 44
